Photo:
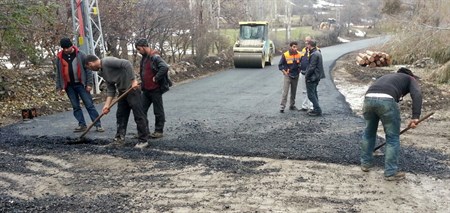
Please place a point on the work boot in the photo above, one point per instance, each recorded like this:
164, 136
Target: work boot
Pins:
397, 176
80, 128
365, 168
314, 113
99, 129
118, 141
141, 145
156, 135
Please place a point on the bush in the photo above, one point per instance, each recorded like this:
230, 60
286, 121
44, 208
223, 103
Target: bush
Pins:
328, 38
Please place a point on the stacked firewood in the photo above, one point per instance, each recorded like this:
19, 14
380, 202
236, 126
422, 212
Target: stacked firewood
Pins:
373, 59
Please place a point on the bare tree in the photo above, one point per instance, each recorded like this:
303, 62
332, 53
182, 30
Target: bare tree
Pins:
117, 18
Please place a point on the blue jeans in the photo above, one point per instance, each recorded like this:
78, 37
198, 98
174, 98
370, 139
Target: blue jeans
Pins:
386, 110
75, 92
311, 90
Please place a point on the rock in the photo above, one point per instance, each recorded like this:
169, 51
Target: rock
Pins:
424, 62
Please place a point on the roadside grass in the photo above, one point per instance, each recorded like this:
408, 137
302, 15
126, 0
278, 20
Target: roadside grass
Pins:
442, 75
415, 43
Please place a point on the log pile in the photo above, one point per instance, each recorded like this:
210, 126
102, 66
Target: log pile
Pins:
373, 59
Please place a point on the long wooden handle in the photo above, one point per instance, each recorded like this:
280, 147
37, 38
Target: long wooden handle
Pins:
422, 119
92, 124
406, 129
101, 115
121, 96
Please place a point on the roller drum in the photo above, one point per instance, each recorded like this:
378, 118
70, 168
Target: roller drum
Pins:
248, 60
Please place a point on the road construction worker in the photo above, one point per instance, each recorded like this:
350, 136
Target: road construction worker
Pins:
155, 82
304, 61
76, 80
380, 103
119, 76
314, 72
289, 65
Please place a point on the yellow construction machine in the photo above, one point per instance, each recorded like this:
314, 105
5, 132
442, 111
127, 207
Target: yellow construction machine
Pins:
331, 24
253, 48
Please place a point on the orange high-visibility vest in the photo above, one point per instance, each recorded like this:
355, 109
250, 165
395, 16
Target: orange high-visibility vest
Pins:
291, 58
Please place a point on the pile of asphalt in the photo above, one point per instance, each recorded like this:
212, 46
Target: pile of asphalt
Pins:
283, 137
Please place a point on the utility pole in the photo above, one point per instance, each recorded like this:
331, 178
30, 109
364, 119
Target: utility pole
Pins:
246, 10
218, 15
260, 12
338, 11
275, 18
218, 26
88, 31
288, 8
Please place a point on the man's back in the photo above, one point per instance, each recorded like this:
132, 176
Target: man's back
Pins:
118, 73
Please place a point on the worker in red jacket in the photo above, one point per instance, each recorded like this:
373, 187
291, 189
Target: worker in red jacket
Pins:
76, 80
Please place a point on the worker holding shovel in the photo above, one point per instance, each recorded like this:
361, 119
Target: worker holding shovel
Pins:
380, 103
119, 75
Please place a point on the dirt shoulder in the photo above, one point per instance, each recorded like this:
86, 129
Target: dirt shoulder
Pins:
353, 80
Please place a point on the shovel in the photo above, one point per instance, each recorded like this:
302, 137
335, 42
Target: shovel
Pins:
406, 129
82, 139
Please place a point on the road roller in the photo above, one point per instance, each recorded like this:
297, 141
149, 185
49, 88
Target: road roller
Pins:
253, 49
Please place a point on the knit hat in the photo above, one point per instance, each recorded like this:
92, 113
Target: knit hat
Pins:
142, 42
65, 43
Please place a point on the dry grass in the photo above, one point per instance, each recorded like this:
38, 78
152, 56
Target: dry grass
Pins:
442, 75
415, 42
422, 29
406, 48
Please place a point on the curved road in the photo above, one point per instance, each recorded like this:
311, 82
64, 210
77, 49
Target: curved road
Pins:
235, 112
230, 113
218, 101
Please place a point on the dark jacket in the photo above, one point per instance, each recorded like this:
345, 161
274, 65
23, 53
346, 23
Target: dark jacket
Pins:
315, 71
398, 85
290, 62
304, 61
161, 71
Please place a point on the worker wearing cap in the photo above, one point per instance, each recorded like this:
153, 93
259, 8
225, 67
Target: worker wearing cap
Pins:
380, 103
76, 80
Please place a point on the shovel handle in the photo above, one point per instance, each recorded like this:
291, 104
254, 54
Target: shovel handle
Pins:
406, 129
101, 115
92, 124
121, 96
